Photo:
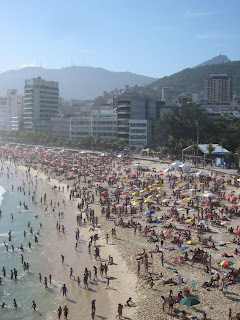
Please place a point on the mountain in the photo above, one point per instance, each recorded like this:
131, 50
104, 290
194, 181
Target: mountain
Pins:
216, 60
74, 82
192, 79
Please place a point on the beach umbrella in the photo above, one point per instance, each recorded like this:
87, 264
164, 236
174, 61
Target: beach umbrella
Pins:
159, 195
172, 219
135, 194
210, 214
183, 248
226, 263
233, 199
189, 221
166, 200
168, 231
189, 301
148, 212
191, 242
237, 233
228, 195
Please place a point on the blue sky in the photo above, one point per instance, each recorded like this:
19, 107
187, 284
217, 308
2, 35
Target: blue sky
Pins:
154, 37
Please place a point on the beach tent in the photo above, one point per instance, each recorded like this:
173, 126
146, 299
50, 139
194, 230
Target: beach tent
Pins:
175, 165
185, 167
210, 195
202, 173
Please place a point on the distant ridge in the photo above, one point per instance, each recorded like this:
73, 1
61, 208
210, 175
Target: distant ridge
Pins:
192, 79
216, 60
74, 82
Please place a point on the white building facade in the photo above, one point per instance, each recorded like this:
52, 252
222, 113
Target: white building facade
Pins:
40, 103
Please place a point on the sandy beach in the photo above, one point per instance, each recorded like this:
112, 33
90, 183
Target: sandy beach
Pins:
144, 267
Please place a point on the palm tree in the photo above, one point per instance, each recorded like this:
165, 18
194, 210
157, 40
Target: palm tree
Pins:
210, 149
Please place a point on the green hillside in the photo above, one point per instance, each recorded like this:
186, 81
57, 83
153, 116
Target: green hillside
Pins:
192, 80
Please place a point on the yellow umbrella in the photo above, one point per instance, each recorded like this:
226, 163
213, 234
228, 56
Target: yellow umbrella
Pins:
189, 221
149, 197
135, 194
191, 242
159, 188
153, 189
183, 191
148, 175
125, 180
147, 200
159, 195
143, 191
227, 184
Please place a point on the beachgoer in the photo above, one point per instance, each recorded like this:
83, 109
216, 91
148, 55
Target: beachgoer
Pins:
64, 290
59, 312
34, 305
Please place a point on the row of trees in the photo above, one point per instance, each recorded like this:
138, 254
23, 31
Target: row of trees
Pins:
181, 126
36, 138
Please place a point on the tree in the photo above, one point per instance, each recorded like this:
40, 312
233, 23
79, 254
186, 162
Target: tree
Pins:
180, 123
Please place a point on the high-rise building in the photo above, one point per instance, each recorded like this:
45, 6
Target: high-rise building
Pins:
134, 115
218, 88
11, 106
40, 103
167, 93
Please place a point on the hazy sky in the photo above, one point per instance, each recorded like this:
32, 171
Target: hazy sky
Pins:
149, 37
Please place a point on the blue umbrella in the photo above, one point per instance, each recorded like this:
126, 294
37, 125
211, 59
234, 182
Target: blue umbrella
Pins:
183, 248
149, 212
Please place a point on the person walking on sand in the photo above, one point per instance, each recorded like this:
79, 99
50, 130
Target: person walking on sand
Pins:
65, 310
120, 308
34, 305
93, 308
59, 312
64, 291
71, 273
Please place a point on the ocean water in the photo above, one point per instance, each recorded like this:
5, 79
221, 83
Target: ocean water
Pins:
27, 286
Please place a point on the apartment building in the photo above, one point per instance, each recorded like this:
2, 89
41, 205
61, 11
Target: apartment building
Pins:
40, 103
218, 88
11, 106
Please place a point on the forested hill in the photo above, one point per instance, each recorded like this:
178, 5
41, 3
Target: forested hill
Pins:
192, 79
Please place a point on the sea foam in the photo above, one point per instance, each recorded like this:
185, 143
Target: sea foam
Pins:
2, 191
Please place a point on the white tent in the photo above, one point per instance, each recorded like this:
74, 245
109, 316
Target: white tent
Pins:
185, 167
210, 195
201, 173
167, 170
175, 165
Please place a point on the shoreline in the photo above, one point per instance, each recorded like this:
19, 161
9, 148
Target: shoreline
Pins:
119, 272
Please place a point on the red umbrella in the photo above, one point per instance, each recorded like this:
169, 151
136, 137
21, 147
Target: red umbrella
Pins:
210, 214
237, 233
233, 199
228, 195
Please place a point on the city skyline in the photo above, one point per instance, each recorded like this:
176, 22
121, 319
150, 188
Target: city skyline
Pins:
154, 39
